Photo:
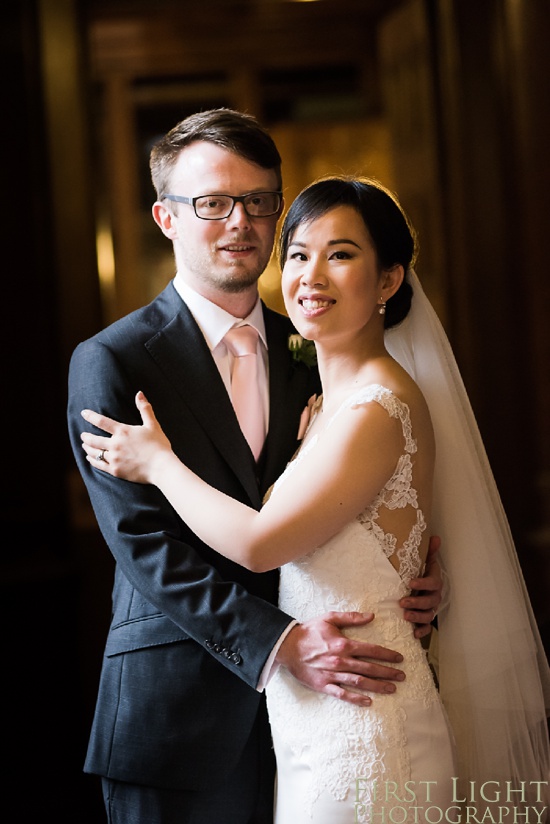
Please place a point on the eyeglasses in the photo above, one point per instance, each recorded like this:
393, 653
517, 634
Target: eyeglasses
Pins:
218, 207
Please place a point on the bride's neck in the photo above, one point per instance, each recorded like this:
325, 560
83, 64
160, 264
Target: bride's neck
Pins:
343, 374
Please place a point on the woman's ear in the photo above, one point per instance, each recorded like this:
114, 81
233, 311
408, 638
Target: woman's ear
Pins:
391, 280
164, 219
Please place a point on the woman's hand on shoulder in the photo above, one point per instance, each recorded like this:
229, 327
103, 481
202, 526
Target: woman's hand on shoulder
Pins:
134, 453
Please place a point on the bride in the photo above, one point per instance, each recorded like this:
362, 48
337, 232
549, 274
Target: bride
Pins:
391, 454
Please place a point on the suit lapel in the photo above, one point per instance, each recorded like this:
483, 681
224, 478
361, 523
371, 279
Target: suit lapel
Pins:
181, 352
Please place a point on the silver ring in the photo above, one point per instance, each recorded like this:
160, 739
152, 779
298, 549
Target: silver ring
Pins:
433, 610
101, 455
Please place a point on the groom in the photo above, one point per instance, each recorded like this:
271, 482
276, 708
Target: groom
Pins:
180, 732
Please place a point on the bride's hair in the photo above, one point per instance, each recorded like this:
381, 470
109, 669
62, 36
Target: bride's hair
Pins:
391, 232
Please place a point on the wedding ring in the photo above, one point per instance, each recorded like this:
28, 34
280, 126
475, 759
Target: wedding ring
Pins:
100, 455
433, 610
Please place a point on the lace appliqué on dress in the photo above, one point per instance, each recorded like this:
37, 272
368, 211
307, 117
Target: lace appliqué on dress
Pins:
398, 492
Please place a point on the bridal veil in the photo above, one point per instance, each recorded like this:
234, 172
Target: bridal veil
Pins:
493, 673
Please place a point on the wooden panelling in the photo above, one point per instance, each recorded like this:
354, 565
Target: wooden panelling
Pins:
167, 38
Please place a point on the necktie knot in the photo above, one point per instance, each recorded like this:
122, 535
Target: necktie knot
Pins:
242, 340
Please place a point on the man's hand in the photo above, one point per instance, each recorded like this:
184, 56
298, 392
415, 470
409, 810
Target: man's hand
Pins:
322, 658
421, 607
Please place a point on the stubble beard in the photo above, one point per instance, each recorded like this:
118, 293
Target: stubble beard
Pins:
229, 278
236, 282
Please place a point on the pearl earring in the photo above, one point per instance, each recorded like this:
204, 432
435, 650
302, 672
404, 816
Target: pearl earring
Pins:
382, 307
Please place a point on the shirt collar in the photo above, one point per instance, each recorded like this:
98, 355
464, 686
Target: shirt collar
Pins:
214, 322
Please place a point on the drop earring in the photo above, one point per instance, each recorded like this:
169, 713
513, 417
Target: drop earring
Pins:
382, 307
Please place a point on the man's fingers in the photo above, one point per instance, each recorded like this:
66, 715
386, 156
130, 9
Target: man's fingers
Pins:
354, 665
354, 689
371, 682
422, 603
359, 699
361, 650
429, 584
424, 617
348, 619
422, 630
324, 659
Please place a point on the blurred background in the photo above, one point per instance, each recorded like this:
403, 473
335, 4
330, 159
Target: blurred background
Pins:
445, 101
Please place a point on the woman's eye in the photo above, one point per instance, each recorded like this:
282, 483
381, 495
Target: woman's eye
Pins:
341, 255
297, 256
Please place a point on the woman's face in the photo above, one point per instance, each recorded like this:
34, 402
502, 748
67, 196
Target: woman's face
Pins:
331, 280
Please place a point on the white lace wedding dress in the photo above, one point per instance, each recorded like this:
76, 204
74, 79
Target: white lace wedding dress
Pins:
391, 761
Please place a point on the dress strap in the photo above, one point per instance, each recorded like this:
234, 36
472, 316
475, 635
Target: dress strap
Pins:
395, 407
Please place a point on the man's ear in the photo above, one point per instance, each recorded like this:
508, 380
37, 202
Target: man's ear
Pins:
391, 281
164, 219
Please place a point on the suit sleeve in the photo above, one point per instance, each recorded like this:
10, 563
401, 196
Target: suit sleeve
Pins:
172, 573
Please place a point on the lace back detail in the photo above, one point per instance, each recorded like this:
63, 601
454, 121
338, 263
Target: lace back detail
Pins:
398, 500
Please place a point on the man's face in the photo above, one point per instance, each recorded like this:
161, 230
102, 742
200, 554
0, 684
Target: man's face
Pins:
227, 255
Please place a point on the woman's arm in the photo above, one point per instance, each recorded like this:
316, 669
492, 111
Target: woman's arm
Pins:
326, 489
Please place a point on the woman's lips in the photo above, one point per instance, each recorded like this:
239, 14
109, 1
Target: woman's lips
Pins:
312, 304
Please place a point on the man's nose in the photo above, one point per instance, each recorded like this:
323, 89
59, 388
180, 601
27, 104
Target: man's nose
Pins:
239, 217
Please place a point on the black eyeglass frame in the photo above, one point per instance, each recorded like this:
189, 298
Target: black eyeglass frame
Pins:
192, 201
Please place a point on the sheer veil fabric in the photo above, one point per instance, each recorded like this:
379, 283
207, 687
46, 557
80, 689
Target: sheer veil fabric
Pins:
493, 673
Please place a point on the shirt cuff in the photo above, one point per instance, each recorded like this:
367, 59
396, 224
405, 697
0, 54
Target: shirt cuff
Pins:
271, 666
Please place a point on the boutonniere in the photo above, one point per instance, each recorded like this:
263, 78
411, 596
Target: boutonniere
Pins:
302, 349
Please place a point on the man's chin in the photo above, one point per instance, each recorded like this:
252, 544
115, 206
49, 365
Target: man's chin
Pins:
237, 282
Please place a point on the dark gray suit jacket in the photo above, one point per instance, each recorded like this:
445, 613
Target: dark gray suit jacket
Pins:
190, 631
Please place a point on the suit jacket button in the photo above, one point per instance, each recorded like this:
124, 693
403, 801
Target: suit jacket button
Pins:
236, 658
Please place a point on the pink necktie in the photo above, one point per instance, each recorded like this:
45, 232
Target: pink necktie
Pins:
242, 341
